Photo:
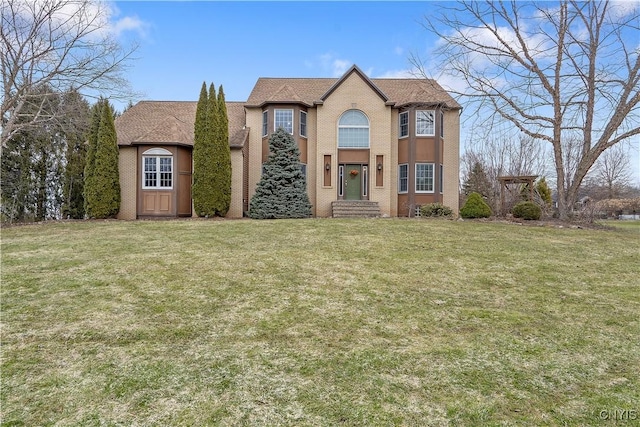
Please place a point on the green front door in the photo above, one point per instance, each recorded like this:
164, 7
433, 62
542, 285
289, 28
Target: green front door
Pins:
352, 182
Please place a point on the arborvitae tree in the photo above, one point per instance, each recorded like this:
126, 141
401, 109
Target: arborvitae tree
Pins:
92, 146
203, 155
222, 157
75, 155
32, 162
543, 190
16, 182
102, 191
282, 190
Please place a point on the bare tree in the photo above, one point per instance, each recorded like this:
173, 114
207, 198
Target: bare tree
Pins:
504, 155
557, 72
611, 176
61, 45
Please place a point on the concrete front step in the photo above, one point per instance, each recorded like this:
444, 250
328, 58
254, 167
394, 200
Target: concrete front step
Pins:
355, 209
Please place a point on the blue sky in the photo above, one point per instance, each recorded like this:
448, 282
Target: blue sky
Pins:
183, 43
234, 43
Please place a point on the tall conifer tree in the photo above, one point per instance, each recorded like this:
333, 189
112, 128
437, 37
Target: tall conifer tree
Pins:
203, 154
103, 189
75, 155
282, 190
222, 157
92, 146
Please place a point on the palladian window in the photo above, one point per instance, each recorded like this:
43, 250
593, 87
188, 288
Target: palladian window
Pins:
353, 130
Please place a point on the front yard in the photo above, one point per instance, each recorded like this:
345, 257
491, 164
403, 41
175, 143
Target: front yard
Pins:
319, 322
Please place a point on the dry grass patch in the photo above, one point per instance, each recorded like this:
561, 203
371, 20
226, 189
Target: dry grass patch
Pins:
317, 322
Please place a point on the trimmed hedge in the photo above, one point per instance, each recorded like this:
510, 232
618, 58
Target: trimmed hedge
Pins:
527, 210
475, 207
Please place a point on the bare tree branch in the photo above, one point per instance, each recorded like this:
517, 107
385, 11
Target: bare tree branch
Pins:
565, 73
60, 45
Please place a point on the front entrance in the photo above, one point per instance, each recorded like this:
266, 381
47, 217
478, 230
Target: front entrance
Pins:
354, 181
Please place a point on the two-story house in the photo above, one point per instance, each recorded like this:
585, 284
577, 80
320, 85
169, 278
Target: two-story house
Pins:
393, 142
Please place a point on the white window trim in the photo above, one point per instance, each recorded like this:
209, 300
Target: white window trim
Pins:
400, 136
157, 153
434, 122
306, 124
441, 179
415, 179
400, 191
368, 127
275, 115
441, 124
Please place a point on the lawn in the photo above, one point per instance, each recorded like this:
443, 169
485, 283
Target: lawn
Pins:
319, 322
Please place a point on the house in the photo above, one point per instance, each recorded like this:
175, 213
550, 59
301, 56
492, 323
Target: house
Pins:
391, 142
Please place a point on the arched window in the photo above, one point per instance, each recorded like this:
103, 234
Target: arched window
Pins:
157, 167
353, 130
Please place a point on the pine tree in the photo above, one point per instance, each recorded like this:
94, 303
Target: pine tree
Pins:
203, 155
282, 190
103, 189
222, 157
477, 181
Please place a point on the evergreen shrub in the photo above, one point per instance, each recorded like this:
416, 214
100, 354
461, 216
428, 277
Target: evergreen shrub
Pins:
435, 210
527, 210
475, 207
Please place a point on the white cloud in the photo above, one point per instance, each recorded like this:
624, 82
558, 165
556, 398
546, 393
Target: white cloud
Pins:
623, 8
329, 63
340, 66
398, 50
397, 74
129, 23
97, 19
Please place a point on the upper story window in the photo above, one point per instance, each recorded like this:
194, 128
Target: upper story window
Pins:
265, 117
404, 124
425, 123
157, 166
442, 123
353, 130
303, 123
284, 119
424, 177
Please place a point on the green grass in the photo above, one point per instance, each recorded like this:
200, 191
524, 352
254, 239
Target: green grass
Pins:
632, 226
318, 322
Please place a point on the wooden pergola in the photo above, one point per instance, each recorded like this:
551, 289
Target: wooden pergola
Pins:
505, 181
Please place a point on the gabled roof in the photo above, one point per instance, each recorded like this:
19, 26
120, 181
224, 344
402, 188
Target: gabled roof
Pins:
171, 123
355, 70
313, 91
303, 91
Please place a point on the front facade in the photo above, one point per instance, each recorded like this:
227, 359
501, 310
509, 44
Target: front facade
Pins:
394, 142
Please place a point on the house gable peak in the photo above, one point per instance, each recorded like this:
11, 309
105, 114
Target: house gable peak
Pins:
355, 69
